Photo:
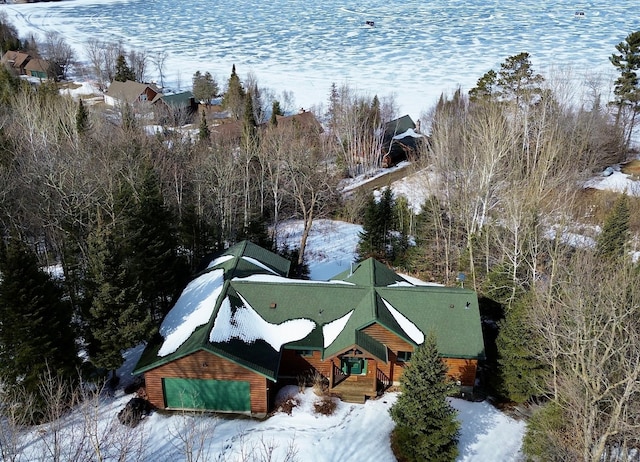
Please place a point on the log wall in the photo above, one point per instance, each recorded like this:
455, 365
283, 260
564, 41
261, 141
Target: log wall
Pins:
204, 365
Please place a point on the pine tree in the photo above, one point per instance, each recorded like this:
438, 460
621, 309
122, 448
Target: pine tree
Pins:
249, 124
123, 71
233, 99
36, 331
204, 134
522, 374
113, 316
627, 86
205, 88
379, 234
151, 246
82, 118
276, 110
426, 425
485, 87
612, 241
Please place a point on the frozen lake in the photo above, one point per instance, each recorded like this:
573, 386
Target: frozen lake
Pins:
415, 51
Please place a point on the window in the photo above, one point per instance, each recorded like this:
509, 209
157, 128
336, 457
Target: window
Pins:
404, 356
304, 353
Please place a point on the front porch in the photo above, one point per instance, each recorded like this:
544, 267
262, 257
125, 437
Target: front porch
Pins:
358, 387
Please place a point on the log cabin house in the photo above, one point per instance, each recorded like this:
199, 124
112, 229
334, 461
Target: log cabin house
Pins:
241, 329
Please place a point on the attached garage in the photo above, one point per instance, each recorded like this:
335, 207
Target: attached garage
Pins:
221, 395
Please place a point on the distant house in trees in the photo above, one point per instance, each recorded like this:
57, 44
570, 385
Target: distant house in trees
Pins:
16, 60
175, 106
303, 120
132, 93
242, 328
38, 68
401, 141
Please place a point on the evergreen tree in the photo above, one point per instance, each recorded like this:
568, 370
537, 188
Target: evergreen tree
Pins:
9, 39
517, 81
522, 373
380, 237
612, 241
204, 134
627, 86
485, 87
249, 124
151, 246
123, 71
36, 332
114, 320
198, 236
205, 88
276, 110
426, 425
233, 99
82, 118
9, 85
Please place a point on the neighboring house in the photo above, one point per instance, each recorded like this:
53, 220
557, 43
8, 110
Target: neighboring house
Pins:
16, 60
38, 68
132, 93
242, 329
177, 102
175, 108
303, 120
401, 141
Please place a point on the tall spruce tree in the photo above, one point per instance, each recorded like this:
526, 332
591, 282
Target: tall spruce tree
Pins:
426, 425
36, 332
380, 237
123, 71
522, 373
204, 134
114, 320
152, 247
233, 99
612, 241
82, 118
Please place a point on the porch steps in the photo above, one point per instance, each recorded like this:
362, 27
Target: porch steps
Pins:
357, 398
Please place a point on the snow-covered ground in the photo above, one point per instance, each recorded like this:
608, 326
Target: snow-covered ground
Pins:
416, 50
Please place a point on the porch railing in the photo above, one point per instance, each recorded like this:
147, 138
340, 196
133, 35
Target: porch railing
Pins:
338, 376
384, 382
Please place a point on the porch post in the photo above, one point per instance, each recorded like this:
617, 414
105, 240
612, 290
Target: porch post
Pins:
331, 375
374, 372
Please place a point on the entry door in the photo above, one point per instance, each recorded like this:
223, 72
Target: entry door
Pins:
354, 366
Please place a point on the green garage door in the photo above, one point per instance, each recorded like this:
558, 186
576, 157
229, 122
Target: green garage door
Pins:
213, 395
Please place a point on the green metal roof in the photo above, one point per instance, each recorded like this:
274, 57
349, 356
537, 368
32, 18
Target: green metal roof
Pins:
410, 312
248, 249
178, 99
369, 273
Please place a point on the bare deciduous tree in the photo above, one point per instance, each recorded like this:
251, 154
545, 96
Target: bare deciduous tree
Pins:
589, 322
